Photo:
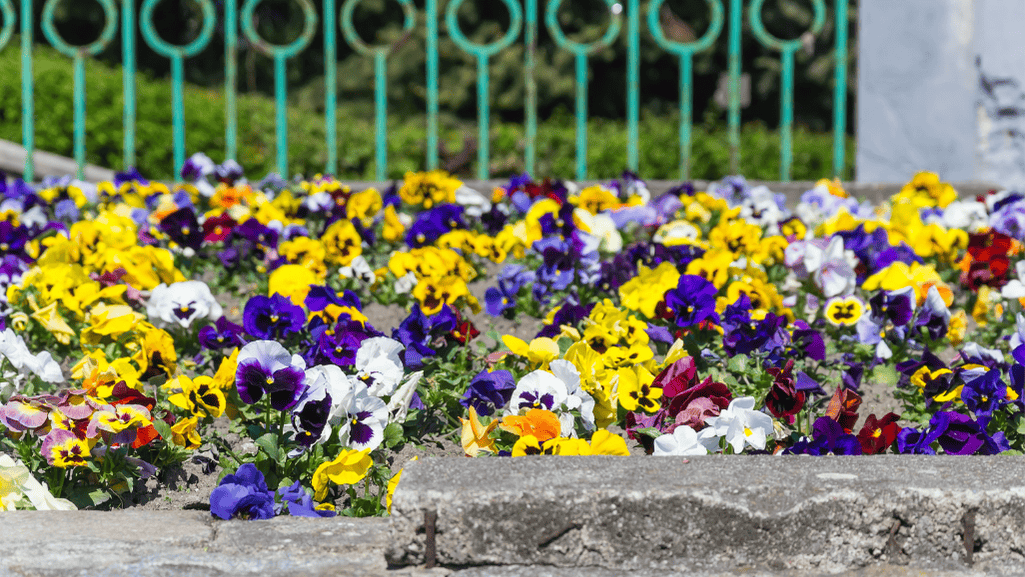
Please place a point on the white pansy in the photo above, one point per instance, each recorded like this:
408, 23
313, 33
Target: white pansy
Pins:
181, 304
602, 227
20, 490
539, 389
398, 405
682, 442
739, 424
576, 397
474, 202
676, 232
22, 360
379, 364
364, 419
360, 269
405, 283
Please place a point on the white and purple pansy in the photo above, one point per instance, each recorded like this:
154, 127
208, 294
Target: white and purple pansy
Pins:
266, 368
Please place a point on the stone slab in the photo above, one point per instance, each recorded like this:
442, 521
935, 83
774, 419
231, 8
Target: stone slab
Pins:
715, 513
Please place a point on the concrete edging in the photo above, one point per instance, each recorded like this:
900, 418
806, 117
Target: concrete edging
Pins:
714, 513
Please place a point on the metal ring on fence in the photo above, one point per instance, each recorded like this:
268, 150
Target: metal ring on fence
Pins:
275, 50
91, 49
552, 23
7, 9
352, 37
771, 41
149, 33
679, 48
484, 50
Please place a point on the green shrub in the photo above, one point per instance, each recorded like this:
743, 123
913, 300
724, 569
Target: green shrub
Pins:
204, 120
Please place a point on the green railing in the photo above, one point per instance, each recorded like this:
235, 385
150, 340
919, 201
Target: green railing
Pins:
522, 19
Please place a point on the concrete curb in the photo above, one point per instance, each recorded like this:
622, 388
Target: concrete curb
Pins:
584, 517
175, 543
712, 514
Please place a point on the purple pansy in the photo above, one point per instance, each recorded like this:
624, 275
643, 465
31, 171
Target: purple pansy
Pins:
243, 495
489, 391
692, 301
266, 368
272, 317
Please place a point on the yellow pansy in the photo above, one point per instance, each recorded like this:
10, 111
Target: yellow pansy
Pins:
53, 322
364, 205
109, 321
595, 199
476, 437
184, 434
643, 292
899, 275
342, 243
635, 390
348, 468
538, 353
429, 188
198, 396
926, 190
394, 230
844, 311
292, 281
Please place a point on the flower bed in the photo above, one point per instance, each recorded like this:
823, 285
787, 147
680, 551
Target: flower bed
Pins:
303, 339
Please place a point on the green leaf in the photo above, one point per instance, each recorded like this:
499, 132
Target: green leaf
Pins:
163, 428
650, 432
269, 444
84, 497
737, 364
393, 435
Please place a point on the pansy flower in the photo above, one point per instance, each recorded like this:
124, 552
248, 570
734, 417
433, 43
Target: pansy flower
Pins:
181, 304
199, 396
740, 425
363, 419
183, 228
64, 449
272, 317
844, 311
378, 363
683, 442
243, 495
539, 389
828, 437
489, 391
299, 503
266, 368
223, 334
878, 435
692, 302
784, 400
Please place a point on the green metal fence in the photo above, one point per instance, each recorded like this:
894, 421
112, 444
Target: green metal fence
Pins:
523, 27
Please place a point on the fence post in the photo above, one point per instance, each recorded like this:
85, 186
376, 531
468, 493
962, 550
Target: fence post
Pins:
28, 112
177, 55
128, 76
685, 51
787, 49
840, 90
380, 55
280, 54
580, 52
230, 80
483, 52
78, 55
